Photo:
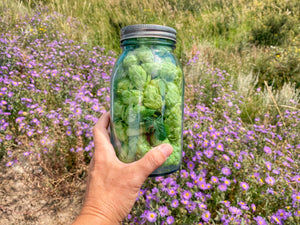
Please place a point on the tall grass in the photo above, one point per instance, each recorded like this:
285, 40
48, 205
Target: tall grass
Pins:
236, 33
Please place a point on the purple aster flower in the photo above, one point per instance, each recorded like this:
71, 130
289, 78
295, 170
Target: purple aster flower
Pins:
202, 185
205, 144
211, 128
237, 165
243, 205
8, 137
175, 203
19, 119
220, 147
151, 216
170, 220
214, 179
208, 153
184, 201
296, 178
78, 111
268, 165
226, 171
282, 214
270, 180
235, 210
267, 150
26, 153
10, 163
222, 187
202, 205
244, 186
184, 173
30, 133
296, 197
226, 181
297, 213
69, 132
253, 207
163, 211
275, 219
260, 221
96, 108
186, 195
191, 206
212, 143
206, 216
226, 157
172, 192
226, 203
190, 165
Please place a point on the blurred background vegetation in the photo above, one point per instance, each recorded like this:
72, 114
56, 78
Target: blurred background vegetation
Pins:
239, 36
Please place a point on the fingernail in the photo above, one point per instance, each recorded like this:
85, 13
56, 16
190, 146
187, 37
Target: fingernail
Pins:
166, 149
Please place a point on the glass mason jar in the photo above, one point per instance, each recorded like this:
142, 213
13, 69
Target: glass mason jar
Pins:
147, 93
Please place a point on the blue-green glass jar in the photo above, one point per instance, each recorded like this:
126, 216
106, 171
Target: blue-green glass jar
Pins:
147, 93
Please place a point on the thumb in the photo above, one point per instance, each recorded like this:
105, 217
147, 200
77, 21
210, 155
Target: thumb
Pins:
154, 159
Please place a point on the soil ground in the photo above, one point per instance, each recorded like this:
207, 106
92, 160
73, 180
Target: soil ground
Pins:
22, 200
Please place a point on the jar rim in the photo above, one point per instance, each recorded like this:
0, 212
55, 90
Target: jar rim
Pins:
148, 30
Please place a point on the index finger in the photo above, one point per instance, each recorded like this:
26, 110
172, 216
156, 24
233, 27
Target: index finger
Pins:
100, 132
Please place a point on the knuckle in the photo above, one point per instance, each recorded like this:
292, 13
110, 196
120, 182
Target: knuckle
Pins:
153, 161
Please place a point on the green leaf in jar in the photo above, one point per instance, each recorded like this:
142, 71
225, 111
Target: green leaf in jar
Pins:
159, 129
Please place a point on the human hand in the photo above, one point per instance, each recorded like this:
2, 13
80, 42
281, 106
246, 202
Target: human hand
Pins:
113, 186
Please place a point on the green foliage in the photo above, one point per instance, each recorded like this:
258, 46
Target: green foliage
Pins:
228, 29
278, 65
273, 29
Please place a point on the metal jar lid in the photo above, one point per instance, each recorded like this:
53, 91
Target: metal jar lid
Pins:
148, 30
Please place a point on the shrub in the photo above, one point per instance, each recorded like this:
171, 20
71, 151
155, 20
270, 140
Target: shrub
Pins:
52, 91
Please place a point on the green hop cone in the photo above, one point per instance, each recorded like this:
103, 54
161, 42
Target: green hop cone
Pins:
120, 131
144, 54
173, 95
138, 76
123, 84
143, 146
131, 116
152, 97
168, 71
118, 110
129, 60
152, 69
172, 119
132, 97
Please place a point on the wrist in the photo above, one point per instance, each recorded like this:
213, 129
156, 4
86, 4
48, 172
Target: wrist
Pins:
91, 217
